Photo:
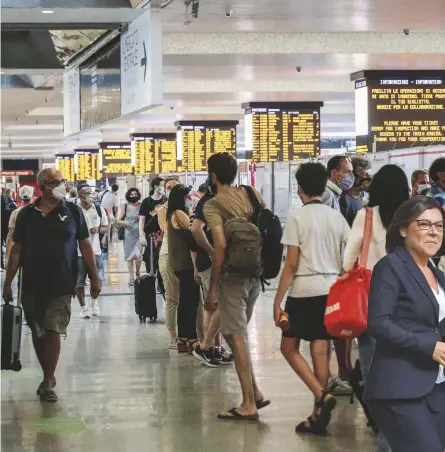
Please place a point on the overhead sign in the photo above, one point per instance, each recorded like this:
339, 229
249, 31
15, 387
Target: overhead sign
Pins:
197, 141
115, 159
86, 164
16, 173
154, 153
399, 109
65, 164
141, 64
71, 101
282, 132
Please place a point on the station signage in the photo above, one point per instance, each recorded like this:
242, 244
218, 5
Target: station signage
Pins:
115, 158
65, 164
87, 165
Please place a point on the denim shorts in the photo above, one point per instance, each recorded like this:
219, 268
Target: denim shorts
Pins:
83, 270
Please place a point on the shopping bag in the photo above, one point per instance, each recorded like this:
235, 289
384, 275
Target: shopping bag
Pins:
346, 314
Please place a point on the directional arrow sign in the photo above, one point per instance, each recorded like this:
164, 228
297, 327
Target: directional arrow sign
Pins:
141, 64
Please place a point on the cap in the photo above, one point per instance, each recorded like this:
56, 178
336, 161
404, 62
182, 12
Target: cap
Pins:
26, 192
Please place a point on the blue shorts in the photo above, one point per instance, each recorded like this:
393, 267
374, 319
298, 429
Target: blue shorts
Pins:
83, 270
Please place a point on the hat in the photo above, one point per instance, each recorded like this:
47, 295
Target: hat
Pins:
26, 192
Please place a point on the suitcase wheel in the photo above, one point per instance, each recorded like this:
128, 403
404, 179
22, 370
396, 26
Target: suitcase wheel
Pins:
16, 366
153, 319
141, 319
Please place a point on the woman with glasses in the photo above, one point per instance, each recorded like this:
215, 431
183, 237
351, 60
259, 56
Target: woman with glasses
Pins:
129, 219
180, 260
405, 387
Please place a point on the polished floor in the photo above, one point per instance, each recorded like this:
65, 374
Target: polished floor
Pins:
121, 390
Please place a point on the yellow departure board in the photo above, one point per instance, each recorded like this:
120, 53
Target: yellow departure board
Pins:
282, 132
87, 165
404, 108
154, 153
116, 159
65, 164
197, 141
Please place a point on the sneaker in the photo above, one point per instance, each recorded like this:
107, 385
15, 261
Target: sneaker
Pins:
206, 357
173, 345
338, 387
131, 282
224, 359
95, 311
85, 312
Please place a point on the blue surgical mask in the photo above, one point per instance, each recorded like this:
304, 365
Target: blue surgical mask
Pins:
347, 182
188, 204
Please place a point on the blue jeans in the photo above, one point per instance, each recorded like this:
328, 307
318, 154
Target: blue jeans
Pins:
366, 347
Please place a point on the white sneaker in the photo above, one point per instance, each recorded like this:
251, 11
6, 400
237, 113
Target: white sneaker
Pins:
338, 387
95, 308
85, 312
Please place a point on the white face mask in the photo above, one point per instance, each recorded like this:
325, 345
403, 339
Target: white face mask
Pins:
422, 187
89, 198
160, 191
59, 192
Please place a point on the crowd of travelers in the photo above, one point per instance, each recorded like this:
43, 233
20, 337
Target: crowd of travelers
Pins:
208, 247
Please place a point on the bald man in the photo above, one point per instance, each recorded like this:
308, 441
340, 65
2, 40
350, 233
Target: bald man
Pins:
46, 236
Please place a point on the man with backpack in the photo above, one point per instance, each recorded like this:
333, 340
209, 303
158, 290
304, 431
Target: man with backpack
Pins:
97, 223
235, 281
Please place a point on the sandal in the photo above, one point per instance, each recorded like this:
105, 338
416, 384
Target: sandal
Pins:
40, 388
234, 415
48, 395
191, 345
326, 406
262, 404
314, 427
131, 282
181, 345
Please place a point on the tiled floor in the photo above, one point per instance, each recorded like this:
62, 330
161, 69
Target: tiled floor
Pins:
121, 390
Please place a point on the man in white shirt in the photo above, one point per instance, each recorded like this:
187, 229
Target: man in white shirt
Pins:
110, 203
96, 220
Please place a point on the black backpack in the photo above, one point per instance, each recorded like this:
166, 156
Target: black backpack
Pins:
271, 233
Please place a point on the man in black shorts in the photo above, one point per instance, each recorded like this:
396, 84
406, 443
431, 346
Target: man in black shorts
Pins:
45, 238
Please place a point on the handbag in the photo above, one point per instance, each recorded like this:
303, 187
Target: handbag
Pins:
121, 232
346, 314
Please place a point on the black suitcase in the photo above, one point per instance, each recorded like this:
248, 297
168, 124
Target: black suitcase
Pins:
145, 293
11, 337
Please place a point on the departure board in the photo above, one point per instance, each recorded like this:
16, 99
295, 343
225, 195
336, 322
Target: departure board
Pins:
154, 153
282, 132
65, 164
115, 158
86, 164
197, 141
404, 109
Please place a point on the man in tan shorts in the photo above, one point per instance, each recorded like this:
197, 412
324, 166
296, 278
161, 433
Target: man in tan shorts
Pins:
45, 239
235, 294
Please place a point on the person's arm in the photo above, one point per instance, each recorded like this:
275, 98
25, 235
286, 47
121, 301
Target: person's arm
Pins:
199, 234
8, 245
103, 222
355, 241
162, 219
142, 237
218, 257
287, 276
196, 272
382, 302
88, 256
181, 220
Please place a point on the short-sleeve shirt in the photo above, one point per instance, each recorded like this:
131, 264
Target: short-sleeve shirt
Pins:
93, 220
203, 261
438, 193
110, 203
235, 201
49, 248
148, 208
320, 233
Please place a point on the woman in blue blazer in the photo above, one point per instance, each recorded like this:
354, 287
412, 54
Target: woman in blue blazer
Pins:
405, 387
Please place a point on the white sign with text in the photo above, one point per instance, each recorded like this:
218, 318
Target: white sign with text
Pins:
71, 101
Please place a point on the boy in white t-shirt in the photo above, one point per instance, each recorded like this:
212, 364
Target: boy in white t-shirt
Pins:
96, 223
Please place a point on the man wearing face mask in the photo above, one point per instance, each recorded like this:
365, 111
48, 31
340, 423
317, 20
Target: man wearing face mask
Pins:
420, 182
437, 175
45, 238
341, 178
97, 222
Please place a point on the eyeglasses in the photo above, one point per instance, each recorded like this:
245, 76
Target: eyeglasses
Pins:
426, 225
55, 183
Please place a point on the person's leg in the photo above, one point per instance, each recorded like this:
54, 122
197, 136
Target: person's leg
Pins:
200, 322
188, 305
366, 347
81, 296
51, 353
130, 267
39, 349
171, 285
212, 331
138, 263
341, 350
319, 354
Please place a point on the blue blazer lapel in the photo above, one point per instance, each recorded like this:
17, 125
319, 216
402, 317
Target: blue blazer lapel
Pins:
419, 277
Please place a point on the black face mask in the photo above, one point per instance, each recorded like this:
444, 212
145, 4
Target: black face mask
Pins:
211, 187
133, 199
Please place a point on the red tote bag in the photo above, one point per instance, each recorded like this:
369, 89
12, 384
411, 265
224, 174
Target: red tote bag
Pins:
346, 313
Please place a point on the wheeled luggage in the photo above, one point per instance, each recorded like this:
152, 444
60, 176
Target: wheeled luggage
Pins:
11, 337
145, 292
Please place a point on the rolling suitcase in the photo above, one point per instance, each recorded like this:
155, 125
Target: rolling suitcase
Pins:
11, 335
145, 293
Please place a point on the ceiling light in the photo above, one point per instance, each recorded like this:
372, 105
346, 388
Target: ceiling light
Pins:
47, 11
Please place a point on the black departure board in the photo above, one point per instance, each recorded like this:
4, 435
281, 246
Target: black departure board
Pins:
282, 132
65, 164
116, 158
86, 164
197, 141
404, 109
154, 153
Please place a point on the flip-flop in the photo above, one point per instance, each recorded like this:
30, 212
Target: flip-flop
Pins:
262, 404
235, 416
